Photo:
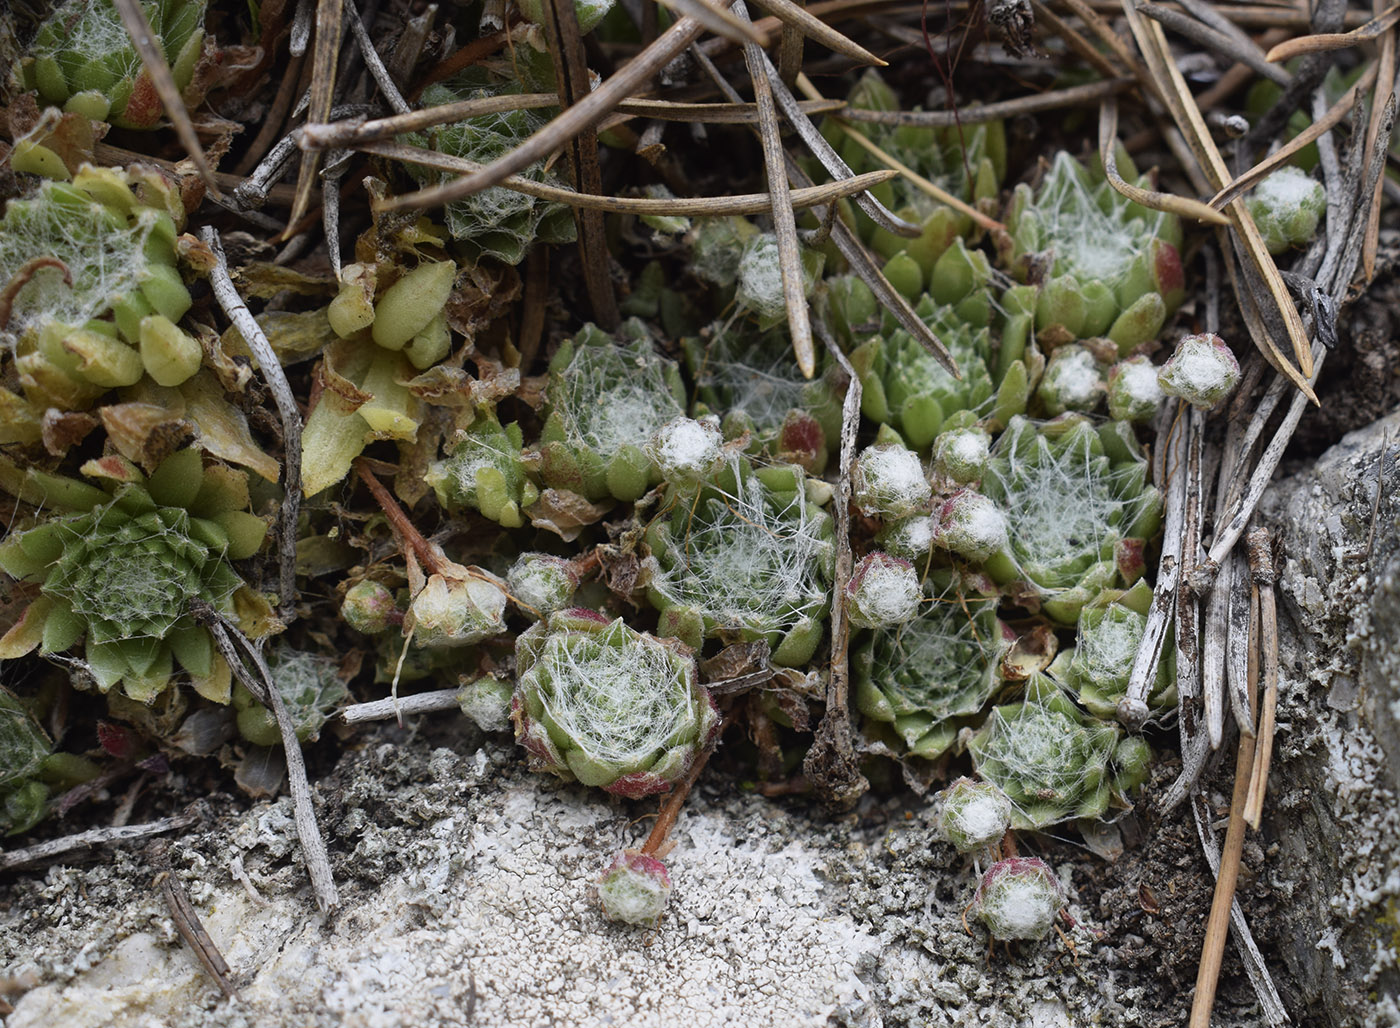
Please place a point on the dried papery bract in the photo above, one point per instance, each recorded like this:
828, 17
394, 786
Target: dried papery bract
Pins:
603, 704
635, 889
1018, 898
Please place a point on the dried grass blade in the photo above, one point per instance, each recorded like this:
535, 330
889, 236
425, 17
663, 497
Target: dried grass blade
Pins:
1384, 90
784, 221
1213, 39
1184, 206
582, 116
699, 206
1034, 103
798, 17
1335, 114
1261, 567
143, 37
325, 53
715, 19
1324, 42
1083, 49
926, 186
1153, 45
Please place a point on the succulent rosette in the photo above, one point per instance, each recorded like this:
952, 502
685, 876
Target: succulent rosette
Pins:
973, 815
968, 161
84, 61
751, 381
748, 557
1107, 265
1053, 761
118, 569
605, 401
495, 222
603, 704
29, 769
1018, 898
485, 472
917, 679
1286, 207
1097, 668
311, 689
97, 292
1078, 511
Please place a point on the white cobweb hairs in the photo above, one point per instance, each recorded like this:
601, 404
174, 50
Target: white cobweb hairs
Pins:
1086, 241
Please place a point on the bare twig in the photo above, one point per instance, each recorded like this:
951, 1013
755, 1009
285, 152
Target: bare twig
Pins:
276, 379
975, 114
50, 849
1213, 39
1324, 42
393, 707
376, 67
192, 930
806, 24
240, 653
324, 56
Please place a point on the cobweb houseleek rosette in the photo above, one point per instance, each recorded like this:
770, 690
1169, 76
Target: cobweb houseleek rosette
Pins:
83, 59
748, 556
117, 572
485, 472
603, 704
1108, 266
97, 291
605, 400
1053, 761
1097, 667
29, 769
1078, 511
917, 679
967, 161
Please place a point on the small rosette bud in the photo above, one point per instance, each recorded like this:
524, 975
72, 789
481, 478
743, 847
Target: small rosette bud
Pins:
888, 481
970, 525
1018, 898
687, 451
486, 701
1072, 381
369, 607
1134, 394
960, 454
1287, 206
883, 592
541, 583
1203, 371
634, 889
972, 815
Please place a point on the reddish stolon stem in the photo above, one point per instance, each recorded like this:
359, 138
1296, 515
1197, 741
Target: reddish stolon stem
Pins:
666, 820
407, 533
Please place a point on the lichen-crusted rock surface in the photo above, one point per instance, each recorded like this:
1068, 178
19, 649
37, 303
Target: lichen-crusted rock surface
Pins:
1332, 808
461, 872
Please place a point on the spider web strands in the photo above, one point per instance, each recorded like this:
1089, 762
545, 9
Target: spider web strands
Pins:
351, 133
700, 206
1167, 81
143, 37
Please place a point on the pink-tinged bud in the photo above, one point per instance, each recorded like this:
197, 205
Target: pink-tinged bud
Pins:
971, 525
634, 889
1203, 371
883, 591
1018, 898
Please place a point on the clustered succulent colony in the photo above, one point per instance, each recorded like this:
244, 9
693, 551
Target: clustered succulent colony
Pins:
996, 513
